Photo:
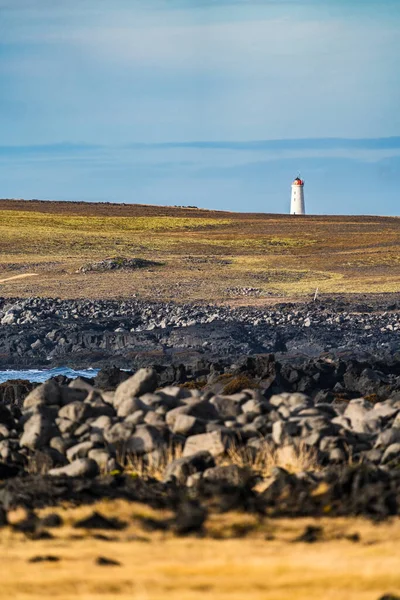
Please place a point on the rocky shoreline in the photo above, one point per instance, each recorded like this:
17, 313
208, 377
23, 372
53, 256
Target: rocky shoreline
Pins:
214, 418
81, 440
43, 333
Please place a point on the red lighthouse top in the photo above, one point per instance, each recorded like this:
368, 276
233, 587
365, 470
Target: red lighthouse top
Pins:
298, 181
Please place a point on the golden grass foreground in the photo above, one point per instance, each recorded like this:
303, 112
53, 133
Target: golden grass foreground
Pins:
242, 558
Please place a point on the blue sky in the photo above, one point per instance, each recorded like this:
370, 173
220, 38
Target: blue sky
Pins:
216, 103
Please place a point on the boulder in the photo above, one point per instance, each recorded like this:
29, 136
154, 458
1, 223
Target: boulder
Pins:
216, 443
81, 467
44, 394
226, 407
129, 406
103, 458
70, 394
187, 425
79, 451
146, 439
229, 475
77, 412
392, 453
142, 382
38, 431
119, 433
182, 468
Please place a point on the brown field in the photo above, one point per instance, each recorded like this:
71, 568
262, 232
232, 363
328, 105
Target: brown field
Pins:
241, 557
204, 253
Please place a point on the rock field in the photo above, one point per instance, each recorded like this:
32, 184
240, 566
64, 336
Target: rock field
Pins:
39, 332
96, 432
313, 429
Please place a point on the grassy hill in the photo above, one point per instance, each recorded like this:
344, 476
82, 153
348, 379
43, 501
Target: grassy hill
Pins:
205, 255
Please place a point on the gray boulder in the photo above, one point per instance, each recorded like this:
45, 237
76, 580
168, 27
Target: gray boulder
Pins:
203, 410
69, 394
226, 407
229, 475
81, 467
103, 458
392, 453
187, 425
79, 451
142, 382
387, 438
38, 431
128, 406
216, 443
119, 433
146, 439
77, 412
45, 394
182, 468
282, 431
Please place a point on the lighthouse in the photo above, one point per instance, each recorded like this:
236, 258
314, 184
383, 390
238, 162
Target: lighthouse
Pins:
297, 199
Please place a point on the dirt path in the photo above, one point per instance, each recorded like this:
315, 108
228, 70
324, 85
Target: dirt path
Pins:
18, 277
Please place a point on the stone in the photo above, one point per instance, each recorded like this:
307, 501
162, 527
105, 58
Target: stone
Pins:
152, 418
38, 431
187, 425
282, 430
145, 439
356, 411
69, 394
101, 423
98, 521
103, 561
99, 407
387, 438
81, 384
216, 442
65, 426
79, 451
61, 444
182, 468
119, 433
253, 406
136, 418
6, 417
392, 453
4, 432
102, 458
173, 414
81, 467
203, 410
226, 407
129, 406
229, 475
142, 382
77, 412
190, 517
45, 394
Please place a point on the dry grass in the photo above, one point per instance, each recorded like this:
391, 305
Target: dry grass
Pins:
241, 558
294, 458
152, 465
204, 252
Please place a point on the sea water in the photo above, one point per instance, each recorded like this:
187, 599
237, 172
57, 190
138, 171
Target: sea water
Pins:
39, 375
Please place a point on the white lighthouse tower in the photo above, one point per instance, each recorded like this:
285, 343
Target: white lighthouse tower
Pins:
297, 199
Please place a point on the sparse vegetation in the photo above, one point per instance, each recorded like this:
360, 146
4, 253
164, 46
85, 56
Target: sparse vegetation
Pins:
239, 383
204, 252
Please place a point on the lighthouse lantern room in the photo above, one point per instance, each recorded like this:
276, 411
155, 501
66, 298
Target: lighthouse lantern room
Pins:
297, 198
